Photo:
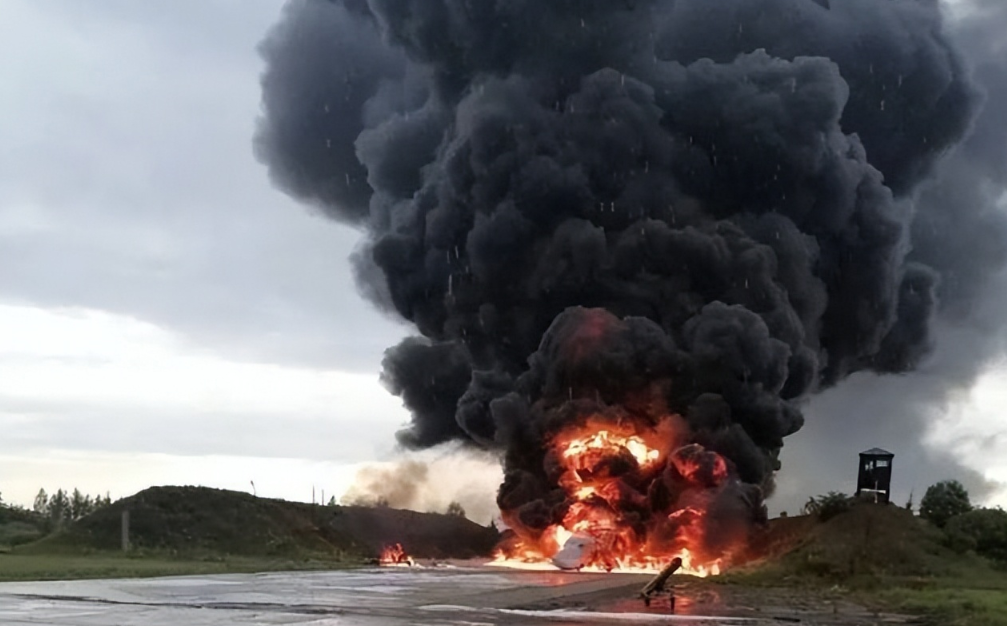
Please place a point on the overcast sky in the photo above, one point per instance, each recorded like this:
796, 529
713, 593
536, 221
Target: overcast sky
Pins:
166, 317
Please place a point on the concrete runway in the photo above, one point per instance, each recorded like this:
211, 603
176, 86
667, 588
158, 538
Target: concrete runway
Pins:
386, 597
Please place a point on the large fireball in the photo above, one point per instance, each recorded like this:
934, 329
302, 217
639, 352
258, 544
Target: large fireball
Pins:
619, 514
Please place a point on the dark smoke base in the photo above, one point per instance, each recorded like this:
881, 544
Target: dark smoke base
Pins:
737, 179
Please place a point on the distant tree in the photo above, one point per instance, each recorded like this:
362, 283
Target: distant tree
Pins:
944, 501
909, 502
79, 505
59, 508
456, 509
41, 505
332, 501
827, 506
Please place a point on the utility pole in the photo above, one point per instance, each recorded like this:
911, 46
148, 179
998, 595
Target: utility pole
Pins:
125, 530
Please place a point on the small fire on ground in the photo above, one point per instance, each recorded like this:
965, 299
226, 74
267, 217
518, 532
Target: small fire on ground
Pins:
395, 556
636, 498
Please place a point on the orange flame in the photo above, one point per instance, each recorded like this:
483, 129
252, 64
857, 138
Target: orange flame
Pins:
606, 471
395, 555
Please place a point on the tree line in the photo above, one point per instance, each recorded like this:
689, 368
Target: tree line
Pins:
968, 528
63, 507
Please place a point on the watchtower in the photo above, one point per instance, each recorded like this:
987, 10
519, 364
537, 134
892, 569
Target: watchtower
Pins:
874, 478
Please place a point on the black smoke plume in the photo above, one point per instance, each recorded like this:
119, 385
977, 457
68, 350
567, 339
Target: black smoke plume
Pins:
627, 207
960, 231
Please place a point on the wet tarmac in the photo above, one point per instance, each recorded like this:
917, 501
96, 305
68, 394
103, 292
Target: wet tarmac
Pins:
389, 597
455, 596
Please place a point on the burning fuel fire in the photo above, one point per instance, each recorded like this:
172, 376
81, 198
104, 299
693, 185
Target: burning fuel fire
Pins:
395, 555
618, 479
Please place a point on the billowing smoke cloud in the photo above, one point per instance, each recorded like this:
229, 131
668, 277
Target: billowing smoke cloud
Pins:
431, 482
631, 208
959, 230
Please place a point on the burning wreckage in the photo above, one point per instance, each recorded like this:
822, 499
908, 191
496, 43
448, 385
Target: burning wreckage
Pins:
633, 237
619, 510
395, 555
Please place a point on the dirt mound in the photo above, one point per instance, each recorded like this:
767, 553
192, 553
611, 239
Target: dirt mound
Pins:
867, 540
780, 537
199, 520
422, 535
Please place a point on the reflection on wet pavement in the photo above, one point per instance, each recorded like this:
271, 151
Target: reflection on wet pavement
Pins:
464, 597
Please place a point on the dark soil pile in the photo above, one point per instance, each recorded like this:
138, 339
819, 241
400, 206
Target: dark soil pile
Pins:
199, 520
781, 536
422, 535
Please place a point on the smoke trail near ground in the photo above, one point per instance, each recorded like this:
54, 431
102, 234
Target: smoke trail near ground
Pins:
425, 482
630, 210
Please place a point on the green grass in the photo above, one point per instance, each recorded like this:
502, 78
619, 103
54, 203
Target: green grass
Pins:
32, 567
975, 597
967, 593
965, 607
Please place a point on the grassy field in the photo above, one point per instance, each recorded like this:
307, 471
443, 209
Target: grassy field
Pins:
977, 599
968, 600
26, 567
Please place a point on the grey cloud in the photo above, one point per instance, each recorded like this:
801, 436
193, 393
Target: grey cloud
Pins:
129, 127
41, 425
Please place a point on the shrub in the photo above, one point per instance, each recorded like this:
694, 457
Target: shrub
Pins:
827, 506
982, 530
